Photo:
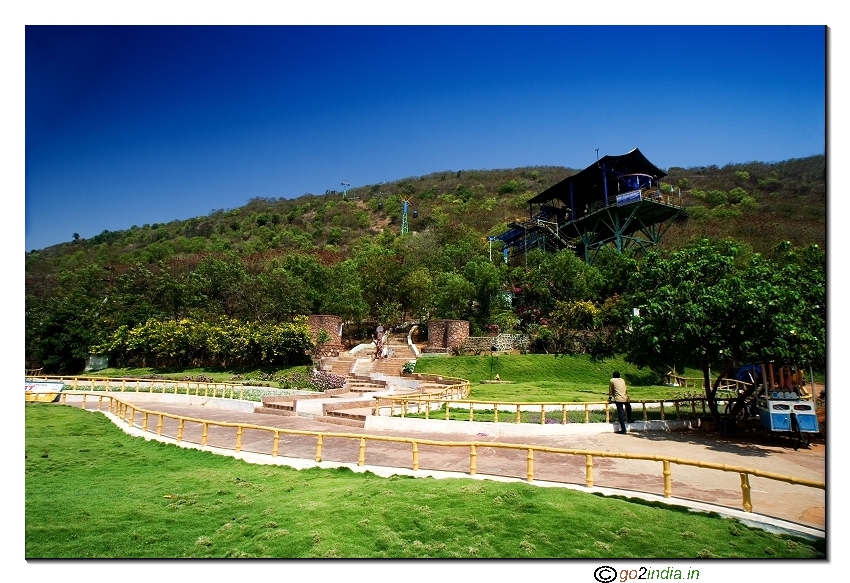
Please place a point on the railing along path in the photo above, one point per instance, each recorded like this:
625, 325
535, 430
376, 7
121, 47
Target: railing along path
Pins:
127, 412
210, 389
513, 410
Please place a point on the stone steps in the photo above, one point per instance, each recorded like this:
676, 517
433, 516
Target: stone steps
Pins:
341, 365
341, 421
354, 402
275, 411
360, 413
391, 366
363, 391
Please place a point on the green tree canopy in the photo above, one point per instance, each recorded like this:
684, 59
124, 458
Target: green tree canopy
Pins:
713, 303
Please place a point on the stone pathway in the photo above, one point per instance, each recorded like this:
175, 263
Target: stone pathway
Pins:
793, 507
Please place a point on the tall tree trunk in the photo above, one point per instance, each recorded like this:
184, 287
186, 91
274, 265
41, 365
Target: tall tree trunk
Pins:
710, 391
711, 388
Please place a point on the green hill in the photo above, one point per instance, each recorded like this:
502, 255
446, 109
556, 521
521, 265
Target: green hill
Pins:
273, 259
786, 200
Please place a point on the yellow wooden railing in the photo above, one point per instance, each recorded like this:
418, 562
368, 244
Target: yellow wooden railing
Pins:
418, 404
459, 388
699, 383
127, 413
136, 385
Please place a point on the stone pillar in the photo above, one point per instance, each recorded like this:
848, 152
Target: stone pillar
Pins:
444, 335
457, 331
437, 334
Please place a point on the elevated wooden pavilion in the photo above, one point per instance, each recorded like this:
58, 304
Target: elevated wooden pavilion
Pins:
614, 203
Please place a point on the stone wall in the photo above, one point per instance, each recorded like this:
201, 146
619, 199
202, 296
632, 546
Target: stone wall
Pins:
502, 342
330, 324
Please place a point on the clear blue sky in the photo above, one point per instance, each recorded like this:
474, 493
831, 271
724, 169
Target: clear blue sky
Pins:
143, 124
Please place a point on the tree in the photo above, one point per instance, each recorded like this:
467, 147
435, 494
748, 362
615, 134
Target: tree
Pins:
63, 326
307, 269
418, 292
550, 278
219, 285
171, 290
343, 293
710, 303
486, 280
132, 297
570, 278
615, 270
279, 295
453, 296
382, 267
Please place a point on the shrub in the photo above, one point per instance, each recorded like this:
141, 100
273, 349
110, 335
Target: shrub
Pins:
716, 197
190, 341
748, 203
736, 195
725, 212
510, 186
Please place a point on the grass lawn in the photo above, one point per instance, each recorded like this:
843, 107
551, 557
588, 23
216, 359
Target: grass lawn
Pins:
93, 491
548, 377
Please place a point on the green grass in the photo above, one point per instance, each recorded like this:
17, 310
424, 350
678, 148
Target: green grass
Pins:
547, 377
94, 492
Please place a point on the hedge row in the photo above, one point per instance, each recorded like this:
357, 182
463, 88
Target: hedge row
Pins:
226, 342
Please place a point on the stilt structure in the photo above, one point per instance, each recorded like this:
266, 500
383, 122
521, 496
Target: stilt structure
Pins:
615, 203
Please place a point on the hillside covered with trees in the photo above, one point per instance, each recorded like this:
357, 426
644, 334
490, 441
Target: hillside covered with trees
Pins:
232, 286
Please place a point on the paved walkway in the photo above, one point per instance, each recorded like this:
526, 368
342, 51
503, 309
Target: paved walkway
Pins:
776, 505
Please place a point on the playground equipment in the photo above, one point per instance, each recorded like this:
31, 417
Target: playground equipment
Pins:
778, 397
781, 406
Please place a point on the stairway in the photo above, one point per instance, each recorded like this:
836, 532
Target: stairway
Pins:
342, 365
366, 380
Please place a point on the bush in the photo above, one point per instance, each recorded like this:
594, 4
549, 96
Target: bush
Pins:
736, 195
716, 197
510, 186
748, 203
317, 380
225, 342
725, 212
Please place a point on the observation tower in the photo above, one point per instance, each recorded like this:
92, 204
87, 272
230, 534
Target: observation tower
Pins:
615, 203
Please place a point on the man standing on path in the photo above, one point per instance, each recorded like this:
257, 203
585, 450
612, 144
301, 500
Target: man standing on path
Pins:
618, 393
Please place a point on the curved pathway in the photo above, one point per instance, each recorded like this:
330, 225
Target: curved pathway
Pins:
776, 505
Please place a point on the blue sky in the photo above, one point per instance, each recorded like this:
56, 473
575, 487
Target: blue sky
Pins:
127, 125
